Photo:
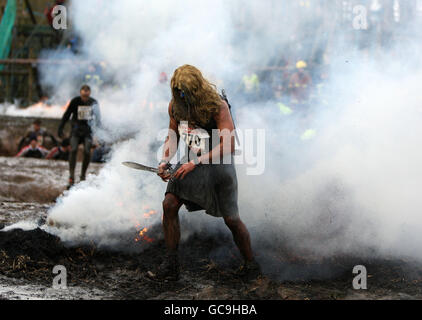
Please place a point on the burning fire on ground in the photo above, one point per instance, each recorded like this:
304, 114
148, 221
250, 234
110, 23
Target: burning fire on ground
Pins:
39, 109
142, 233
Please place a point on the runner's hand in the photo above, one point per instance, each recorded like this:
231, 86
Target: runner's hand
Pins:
163, 172
184, 170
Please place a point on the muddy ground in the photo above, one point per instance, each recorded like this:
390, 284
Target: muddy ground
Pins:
29, 187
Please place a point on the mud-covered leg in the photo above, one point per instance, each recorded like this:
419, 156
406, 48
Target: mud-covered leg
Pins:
240, 236
242, 240
171, 227
169, 269
74, 143
87, 156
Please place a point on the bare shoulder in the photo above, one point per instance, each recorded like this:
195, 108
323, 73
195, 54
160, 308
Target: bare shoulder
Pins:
224, 118
224, 111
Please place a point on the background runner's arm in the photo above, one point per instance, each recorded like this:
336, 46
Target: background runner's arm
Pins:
227, 134
172, 139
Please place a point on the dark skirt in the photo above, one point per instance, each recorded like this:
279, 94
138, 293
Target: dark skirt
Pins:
209, 187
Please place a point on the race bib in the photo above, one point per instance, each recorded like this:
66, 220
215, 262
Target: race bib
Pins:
84, 112
195, 138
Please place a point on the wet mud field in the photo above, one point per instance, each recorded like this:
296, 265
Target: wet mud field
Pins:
29, 187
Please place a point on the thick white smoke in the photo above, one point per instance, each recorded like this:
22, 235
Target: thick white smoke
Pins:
354, 186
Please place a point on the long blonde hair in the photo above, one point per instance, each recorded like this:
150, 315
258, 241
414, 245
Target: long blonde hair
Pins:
201, 100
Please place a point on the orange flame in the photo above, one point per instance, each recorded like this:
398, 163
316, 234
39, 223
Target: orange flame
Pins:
142, 236
149, 213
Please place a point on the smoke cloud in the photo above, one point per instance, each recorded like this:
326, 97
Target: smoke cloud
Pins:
350, 189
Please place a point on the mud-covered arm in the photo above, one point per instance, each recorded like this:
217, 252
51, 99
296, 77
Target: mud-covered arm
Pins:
70, 109
227, 136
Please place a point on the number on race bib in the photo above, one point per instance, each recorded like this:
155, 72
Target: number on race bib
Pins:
196, 139
84, 113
